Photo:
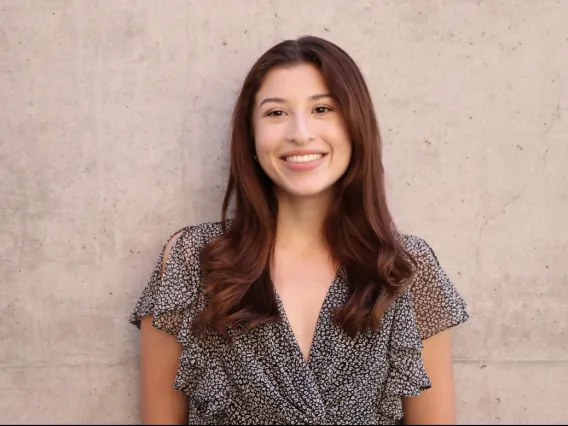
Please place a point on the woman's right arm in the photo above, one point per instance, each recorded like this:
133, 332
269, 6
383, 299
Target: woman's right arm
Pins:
159, 353
159, 358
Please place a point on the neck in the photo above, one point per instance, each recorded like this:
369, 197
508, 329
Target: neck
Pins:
301, 220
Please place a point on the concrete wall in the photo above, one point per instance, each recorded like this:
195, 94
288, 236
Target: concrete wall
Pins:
113, 130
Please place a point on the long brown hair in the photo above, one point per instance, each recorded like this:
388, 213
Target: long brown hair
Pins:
359, 228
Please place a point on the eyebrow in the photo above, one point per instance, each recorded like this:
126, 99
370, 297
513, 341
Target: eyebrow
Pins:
282, 100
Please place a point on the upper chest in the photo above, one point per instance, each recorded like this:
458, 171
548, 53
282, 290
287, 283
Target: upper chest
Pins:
302, 285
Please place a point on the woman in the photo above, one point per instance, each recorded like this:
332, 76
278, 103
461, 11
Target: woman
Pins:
307, 307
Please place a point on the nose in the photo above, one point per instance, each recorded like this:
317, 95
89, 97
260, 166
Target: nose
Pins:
300, 132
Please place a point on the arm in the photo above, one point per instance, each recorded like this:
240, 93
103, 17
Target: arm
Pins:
160, 353
437, 404
159, 356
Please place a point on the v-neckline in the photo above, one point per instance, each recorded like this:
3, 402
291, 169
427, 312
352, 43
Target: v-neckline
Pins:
284, 317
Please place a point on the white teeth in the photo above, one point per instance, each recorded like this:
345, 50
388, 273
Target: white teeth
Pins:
303, 158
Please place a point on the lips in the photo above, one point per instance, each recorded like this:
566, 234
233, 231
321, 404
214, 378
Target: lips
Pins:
303, 161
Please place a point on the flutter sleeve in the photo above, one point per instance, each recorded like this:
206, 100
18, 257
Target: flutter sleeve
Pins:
436, 302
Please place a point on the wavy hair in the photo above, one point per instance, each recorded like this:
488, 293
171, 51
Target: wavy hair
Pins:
358, 228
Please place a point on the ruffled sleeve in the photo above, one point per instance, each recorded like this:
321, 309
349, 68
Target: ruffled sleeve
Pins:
431, 304
436, 302
170, 296
174, 299
407, 376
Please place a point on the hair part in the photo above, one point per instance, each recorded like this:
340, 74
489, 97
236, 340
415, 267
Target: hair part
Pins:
359, 229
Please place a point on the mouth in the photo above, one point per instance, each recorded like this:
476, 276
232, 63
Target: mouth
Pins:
303, 158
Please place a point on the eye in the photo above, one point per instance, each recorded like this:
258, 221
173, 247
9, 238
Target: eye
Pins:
274, 113
322, 109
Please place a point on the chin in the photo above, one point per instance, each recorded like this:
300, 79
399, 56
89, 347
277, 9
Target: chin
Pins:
307, 191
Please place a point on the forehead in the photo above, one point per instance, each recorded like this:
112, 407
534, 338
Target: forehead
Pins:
295, 82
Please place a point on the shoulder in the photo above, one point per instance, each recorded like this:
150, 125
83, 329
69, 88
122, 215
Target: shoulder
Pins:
417, 247
175, 283
426, 266
196, 236
425, 260
436, 302
183, 248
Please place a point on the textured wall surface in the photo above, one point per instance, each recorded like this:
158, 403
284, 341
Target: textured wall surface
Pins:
113, 135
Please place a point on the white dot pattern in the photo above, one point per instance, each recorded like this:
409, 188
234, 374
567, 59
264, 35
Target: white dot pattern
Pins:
262, 377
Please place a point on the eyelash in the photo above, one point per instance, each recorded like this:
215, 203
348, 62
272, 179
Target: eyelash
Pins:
270, 113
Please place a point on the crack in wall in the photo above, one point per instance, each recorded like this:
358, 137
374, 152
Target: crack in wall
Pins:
503, 209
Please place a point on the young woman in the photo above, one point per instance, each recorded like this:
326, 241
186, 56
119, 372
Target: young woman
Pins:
307, 306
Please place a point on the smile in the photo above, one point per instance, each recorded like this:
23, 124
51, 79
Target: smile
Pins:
300, 162
303, 158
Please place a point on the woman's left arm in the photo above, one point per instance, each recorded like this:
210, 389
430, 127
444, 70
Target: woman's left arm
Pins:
437, 404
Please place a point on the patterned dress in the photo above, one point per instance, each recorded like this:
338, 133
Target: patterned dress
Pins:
263, 378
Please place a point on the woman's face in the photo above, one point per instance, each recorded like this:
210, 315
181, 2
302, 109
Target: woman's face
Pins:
301, 139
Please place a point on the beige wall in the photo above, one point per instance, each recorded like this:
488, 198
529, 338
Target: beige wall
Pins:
113, 130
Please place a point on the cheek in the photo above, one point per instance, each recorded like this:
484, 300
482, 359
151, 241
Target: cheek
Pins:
339, 134
345, 154
344, 146
265, 139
